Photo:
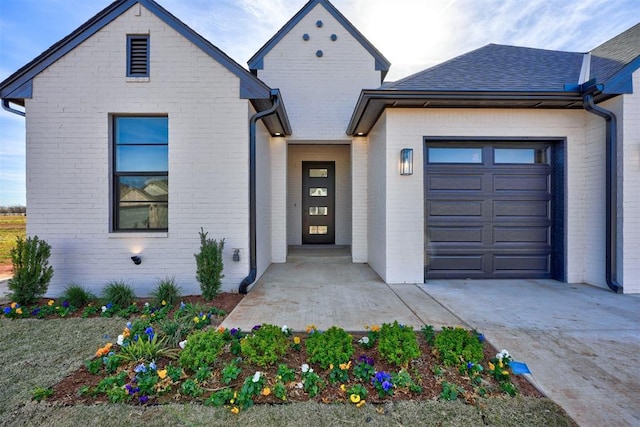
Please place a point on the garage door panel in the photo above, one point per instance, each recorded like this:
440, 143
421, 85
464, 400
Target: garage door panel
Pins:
466, 263
451, 182
521, 208
522, 263
455, 234
528, 183
521, 235
455, 208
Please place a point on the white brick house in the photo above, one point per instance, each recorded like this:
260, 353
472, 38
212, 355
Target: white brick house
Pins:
138, 134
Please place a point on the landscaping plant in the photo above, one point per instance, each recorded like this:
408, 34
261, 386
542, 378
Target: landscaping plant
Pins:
118, 294
397, 344
332, 347
265, 346
77, 296
31, 270
167, 292
209, 265
458, 346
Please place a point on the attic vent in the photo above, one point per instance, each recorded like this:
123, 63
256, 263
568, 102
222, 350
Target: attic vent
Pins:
137, 56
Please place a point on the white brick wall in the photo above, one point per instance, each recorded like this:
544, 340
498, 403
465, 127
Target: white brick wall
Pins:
263, 199
359, 210
320, 93
377, 198
630, 162
279, 200
68, 155
341, 155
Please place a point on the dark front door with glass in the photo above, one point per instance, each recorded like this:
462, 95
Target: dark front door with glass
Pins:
318, 203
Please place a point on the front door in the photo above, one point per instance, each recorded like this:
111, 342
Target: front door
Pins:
318, 203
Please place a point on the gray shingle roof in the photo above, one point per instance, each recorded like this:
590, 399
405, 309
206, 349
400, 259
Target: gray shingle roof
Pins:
613, 55
499, 68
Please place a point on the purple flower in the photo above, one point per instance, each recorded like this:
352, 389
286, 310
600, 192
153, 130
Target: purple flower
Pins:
480, 337
365, 359
469, 365
65, 304
140, 368
386, 385
35, 312
255, 328
144, 399
7, 310
109, 305
233, 332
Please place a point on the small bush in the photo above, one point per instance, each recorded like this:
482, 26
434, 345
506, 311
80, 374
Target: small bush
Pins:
266, 346
77, 296
175, 330
458, 346
209, 266
31, 270
332, 347
166, 290
202, 349
119, 294
398, 344
147, 350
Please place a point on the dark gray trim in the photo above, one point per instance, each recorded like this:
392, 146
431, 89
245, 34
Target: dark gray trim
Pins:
256, 62
250, 86
130, 40
7, 107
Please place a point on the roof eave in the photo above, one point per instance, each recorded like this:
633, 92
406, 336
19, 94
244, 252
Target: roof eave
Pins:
372, 103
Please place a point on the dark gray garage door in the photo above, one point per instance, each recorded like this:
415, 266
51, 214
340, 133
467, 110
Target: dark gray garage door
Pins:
488, 210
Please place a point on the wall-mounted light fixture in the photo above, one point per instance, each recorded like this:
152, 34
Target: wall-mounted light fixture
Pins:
236, 255
137, 259
406, 161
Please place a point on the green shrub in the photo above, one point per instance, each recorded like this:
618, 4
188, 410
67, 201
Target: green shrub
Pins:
209, 266
332, 347
265, 346
202, 349
166, 291
147, 350
450, 391
77, 296
175, 330
397, 344
31, 270
458, 346
119, 294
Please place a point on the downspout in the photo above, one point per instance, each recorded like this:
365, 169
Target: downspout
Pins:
6, 106
611, 160
253, 269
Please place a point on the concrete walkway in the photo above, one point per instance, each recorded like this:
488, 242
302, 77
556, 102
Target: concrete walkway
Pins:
581, 343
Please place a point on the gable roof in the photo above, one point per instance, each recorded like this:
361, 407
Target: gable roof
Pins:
499, 68
381, 63
613, 62
18, 85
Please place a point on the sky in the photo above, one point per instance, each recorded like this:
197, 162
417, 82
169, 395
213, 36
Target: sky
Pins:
412, 34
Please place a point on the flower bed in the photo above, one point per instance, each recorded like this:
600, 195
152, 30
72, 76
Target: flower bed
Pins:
153, 362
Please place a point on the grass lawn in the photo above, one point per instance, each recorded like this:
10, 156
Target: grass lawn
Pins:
11, 227
39, 353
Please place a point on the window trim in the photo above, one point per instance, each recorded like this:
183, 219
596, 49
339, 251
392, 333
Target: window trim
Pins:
130, 39
115, 175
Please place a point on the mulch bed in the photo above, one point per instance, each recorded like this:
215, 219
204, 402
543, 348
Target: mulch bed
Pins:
66, 391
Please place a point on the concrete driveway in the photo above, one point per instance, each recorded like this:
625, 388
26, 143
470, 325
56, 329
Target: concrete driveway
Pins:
581, 343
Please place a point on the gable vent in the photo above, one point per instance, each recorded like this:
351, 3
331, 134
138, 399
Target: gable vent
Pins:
138, 56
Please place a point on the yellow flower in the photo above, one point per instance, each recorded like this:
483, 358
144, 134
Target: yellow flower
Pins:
492, 367
126, 333
19, 310
331, 366
235, 410
164, 302
15, 304
505, 372
354, 398
343, 387
359, 404
162, 374
51, 302
345, 366
310, 328
296, 340
196, 319
204, 317
375, 328
266, 391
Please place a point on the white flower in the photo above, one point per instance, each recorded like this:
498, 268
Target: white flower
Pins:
256, 377
299, 385
104, 308
502, 354
120, 340
146, 304
364, 340
285, 329
305, 368
182, 344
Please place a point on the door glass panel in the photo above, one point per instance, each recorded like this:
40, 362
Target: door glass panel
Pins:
318, 192
323, 229
318, 173
455, 155
318, 210
527, 156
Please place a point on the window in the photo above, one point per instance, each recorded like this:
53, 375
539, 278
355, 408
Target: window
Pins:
141, 179
520, 155
138, 56
454, 155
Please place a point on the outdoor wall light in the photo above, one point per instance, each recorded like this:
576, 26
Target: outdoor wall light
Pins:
236, 255
406, 161
137, 259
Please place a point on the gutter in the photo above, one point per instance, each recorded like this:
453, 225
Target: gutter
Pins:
611, 160
6, 106
253, 269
